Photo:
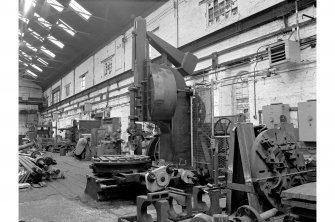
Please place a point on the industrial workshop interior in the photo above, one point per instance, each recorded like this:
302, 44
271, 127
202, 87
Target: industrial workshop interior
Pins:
167, 110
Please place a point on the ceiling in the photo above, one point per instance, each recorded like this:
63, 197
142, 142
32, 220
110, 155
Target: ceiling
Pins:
55, 35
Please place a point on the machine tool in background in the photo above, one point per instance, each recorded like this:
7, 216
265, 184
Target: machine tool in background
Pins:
42, 135
71, 132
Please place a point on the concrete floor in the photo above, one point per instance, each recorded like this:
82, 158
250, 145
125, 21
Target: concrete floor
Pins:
65, 200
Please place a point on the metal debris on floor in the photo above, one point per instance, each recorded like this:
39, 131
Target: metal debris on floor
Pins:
35, 167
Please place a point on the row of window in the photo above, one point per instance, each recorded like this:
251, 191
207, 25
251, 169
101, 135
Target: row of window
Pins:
56, 92
108, 68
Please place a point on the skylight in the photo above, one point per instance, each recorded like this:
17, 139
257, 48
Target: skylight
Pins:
26, 55
23, 63
80, 10
37, 68
55, 41
42, 61
35, 34
48, 52
25, 20
27, 5
42, 21
30, 46
56, 5
31, 73
66, 27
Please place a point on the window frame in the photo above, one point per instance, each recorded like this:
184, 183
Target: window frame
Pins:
220, 10
67, 89
83, 81
55, 92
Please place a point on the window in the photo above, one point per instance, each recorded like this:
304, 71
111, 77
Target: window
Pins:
83, 81
67, 89
240, 93
218, 10
108, 65
55, 95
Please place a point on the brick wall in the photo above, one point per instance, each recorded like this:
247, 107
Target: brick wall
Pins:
287, 87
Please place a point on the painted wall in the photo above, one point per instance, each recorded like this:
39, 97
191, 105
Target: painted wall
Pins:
87, 69
104, 63
67, 80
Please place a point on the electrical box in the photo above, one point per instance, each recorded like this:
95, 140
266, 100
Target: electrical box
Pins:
284, 53
87, 107
307, 121
276, 113
55, 116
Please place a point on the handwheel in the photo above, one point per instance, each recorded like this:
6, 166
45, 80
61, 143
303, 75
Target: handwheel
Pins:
221, 127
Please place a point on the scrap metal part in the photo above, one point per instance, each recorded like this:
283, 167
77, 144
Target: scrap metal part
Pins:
249, 214
214, 198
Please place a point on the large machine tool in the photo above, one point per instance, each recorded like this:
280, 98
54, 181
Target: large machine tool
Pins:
159, 93
131, 175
